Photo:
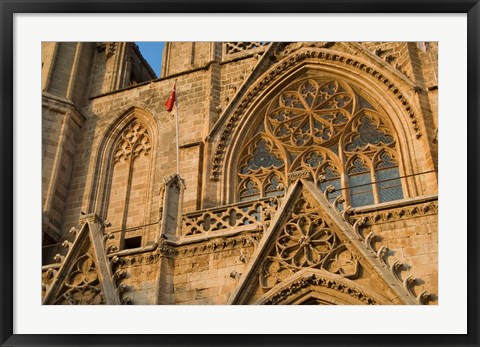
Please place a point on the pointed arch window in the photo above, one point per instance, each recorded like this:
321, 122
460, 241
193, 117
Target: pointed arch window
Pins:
261, 170
129, 183
359, 174
386, 174
373, 171
329, 129
249, 190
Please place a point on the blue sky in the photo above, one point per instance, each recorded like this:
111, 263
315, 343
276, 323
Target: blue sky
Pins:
152, 52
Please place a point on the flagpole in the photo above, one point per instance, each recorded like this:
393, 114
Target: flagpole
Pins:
176, 126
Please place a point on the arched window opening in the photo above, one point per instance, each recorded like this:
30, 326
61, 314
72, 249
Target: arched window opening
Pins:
273, 185
386, 174
375, 178
361, 192
327, 128
261, 170
129, 184
249, 190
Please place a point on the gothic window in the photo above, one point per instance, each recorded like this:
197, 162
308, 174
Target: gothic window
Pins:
360, 183
249, 190
311, 113
374, 176
387, 173
261, 170
272, 185
129, 179
325, 127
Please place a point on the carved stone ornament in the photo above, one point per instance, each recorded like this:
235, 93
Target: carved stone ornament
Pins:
396, 213
82, 284
301, 53
84, 276
47, 278
309, 234
238, 47
306, 241
109, 48
135, 142
137, 260
287, 48
214, 221
165, 250
174, 180
313, 280
218, 244
296, 175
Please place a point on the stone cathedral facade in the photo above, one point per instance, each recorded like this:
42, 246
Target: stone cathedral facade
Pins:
307, 174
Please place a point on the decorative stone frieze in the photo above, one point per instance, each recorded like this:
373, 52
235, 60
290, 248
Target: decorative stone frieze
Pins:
249, 239
395, 213
312, 280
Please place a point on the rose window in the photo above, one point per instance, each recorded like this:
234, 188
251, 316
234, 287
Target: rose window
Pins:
311, 113
305, 242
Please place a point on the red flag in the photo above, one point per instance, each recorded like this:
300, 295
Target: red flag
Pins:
171, 100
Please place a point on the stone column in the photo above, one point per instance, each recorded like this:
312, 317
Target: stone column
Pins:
171, 227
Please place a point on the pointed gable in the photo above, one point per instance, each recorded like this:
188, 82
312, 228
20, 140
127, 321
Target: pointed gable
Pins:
84, 278
310, 246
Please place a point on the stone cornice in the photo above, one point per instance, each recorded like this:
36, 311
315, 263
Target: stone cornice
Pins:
172, 250
395, 213
59, 104
220, 244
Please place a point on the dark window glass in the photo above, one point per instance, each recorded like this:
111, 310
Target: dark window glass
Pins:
250, 191
361, 190
391, 187
261, 158
133, 242
368, 133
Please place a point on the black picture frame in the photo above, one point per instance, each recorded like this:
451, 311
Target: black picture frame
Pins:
9, 7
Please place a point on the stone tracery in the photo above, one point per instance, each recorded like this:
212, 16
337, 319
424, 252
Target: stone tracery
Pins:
226, 224
307, 240
130, 168
231, 48
134, 139
309, 113
82, 284
261, 169
316, 125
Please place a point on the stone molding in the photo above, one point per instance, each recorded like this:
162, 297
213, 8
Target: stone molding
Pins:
313, 278
296, 175
395, 213
247, 239
359, 245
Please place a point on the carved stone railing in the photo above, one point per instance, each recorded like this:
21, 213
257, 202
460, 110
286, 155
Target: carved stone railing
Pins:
236, 48
243, 215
